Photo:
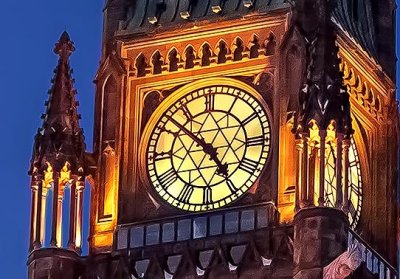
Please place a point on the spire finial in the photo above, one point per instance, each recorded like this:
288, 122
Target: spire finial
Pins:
64, 47
61, 139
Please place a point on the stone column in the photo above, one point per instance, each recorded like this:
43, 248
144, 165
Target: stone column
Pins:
72, 218
58, 191
45, 191
339, 171
320, 236
298, 174
304, 172
346, 146
311, 175
36, 207
80, 186
321, 197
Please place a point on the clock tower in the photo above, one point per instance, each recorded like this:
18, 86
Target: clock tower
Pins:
232, 139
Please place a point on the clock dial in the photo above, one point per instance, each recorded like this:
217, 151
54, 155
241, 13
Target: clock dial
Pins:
354, 186
208, 148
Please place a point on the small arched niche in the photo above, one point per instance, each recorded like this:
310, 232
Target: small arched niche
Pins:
189, 57
254, 46
205, 54
157, 62
238, 49
270, 45
140, 65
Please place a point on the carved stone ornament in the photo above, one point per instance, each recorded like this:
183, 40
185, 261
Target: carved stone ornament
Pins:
343, 265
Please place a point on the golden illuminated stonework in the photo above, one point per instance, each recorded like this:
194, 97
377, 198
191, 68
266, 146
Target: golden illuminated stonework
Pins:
208, 148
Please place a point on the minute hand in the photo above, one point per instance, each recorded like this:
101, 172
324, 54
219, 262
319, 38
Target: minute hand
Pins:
207, 148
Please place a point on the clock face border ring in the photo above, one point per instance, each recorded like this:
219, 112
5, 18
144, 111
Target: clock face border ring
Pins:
171, 100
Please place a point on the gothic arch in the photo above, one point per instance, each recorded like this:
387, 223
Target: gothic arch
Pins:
140, 65
205, 53
221, 50
173, 59
189, 56
109, 100
237, 49
270, 44
156, 62
254, 46
363, 92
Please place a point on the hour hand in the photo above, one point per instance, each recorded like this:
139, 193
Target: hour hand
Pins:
212, 151
223, 170
208, 148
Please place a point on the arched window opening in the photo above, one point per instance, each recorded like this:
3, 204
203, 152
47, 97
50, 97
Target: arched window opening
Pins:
222, 52
140, 66
206, 55
377, 104
110, 108
270, 45
173, 60
190, 57
255, 46
238, 52
157, 63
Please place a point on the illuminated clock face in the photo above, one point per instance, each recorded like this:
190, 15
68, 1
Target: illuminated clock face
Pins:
208, 148
354, 186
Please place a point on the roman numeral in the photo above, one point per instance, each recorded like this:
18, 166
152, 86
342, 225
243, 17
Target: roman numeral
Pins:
210, 98
162, 156
255, 141
167, 178
355, 189
207, 196
248, 165
185, 194
249, 119
231, 186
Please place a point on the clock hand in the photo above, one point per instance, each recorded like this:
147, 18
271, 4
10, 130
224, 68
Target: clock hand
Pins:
207, 148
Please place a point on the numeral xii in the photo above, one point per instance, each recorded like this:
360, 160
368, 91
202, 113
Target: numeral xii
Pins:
210, 101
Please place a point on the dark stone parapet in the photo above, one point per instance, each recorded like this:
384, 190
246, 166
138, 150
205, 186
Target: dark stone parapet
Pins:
320, 235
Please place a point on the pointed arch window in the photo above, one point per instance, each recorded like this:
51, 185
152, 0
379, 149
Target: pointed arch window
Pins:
157, 62
110, 105
206, 55
270, 45
190, 56
222, 52
254, 47
173, 58
238, 50
140, 65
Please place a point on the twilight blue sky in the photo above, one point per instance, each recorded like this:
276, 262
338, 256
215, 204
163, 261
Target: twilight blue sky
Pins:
28, 31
